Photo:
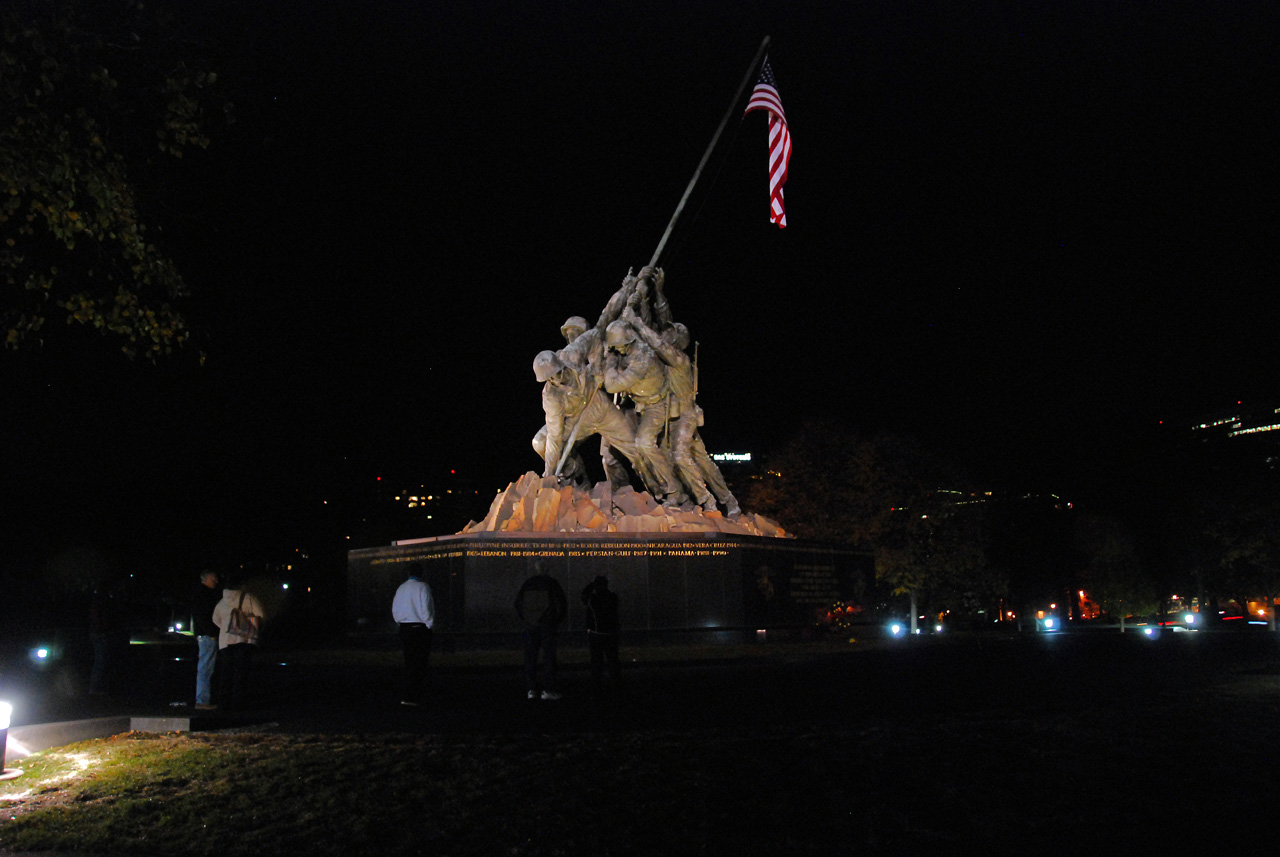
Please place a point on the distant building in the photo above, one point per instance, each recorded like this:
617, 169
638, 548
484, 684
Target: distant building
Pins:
734, 458
738, 469
1244, 433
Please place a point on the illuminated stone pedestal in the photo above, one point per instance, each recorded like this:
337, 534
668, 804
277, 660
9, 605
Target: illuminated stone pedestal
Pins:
668, 584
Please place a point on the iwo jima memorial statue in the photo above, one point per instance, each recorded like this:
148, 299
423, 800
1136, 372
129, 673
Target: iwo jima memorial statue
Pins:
682, 555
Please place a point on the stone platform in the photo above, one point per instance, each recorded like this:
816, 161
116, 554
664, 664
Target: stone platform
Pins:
666, 582
675, 570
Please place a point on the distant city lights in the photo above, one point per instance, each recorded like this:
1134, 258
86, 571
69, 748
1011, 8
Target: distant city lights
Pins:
1239, 424
1254, 430
1217, 423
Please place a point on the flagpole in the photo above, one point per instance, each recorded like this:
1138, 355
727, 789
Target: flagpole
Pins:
751, 71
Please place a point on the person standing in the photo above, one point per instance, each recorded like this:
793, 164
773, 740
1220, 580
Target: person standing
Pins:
239, 619
602, 631
204, 599
104, 632
541, 606
414, 612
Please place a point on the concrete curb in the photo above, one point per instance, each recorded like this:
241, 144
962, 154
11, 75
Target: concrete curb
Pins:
25, 740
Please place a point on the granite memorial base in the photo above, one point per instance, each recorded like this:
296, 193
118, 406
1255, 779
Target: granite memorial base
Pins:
671, 587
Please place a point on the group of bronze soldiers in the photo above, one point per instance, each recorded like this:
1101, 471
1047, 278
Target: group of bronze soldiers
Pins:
630, 380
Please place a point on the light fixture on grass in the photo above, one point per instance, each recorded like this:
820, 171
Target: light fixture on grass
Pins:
6, 711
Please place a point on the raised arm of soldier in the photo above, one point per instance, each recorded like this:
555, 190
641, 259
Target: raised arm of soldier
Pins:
585, 352
668, 351
661, 309
613, 309
648, 282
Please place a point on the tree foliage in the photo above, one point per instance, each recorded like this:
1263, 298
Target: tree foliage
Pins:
937, 548
1247, 533
91, 101
1113, 574
830, 483
885, 494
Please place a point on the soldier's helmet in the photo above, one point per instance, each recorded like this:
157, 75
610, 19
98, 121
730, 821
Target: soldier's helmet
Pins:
678, 335
546, 365
571, 323
619, 334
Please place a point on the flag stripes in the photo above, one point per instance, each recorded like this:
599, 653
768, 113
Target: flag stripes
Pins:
765, 97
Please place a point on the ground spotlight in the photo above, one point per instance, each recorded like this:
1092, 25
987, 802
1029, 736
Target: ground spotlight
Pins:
6, 712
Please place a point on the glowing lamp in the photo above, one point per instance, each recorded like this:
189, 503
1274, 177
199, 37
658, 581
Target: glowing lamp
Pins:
6, 712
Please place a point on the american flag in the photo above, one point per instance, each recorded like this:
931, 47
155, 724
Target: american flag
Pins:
765, 97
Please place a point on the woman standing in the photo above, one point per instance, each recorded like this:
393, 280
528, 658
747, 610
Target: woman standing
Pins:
239, 619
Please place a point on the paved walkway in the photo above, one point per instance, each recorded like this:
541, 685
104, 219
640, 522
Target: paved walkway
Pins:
355, 691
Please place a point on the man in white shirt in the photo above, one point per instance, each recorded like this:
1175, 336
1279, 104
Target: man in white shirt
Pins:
414, 611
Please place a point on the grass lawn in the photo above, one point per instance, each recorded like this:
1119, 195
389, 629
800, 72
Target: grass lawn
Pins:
1110, 772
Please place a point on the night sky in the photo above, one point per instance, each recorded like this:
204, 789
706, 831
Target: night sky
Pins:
1024, 233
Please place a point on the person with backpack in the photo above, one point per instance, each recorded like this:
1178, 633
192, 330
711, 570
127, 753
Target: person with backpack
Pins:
239, 618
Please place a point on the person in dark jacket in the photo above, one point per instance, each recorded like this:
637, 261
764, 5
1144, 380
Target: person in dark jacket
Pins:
602, 630
541, 606
205, 596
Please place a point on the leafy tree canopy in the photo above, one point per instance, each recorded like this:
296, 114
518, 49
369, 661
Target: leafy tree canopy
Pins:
1113, 569
1247, 533
92, 99
829, 482
937, 546
886, 494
